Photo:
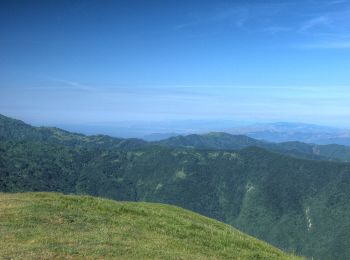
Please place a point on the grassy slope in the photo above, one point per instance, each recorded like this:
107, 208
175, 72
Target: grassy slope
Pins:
266, 195
51, 225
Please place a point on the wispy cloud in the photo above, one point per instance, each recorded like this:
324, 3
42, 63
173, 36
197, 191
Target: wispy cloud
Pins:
336, 2
327, 45
69, 83
321, 25
277, 29
316, 22
178, 102
236, 16
328, 30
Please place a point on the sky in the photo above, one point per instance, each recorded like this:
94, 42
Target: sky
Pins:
104, 62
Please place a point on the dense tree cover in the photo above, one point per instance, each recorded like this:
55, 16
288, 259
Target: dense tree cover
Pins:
16, 130
298, 205
224, 141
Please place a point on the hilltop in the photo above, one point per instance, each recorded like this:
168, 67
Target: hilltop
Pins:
16, 130
43, 225
225, 141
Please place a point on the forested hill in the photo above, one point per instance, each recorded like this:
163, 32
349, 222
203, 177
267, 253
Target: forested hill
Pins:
298, 205
225, 141
16, 130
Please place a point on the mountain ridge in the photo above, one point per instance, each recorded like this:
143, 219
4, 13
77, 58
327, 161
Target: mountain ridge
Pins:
226, 141
12, 129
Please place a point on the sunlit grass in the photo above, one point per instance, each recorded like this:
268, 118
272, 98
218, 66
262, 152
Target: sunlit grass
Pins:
51, 225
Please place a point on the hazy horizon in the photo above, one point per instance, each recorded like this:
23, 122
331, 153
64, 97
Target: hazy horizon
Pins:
141, 129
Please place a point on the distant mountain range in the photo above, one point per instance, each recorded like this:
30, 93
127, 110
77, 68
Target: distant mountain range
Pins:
224, 141
292, 195
279, 132
286, 132
11, 129
272, 132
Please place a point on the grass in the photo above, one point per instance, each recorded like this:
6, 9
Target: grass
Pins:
56, 226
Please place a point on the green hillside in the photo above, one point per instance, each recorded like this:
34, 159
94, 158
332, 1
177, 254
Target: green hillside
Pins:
224, 141
215, 140
16, 130
46, 226
296, 205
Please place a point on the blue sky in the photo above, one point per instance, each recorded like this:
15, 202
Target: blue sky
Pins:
94, 62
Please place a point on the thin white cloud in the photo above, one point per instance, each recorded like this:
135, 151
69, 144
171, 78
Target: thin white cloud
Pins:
277, 29
73, 84
327, 45
336, 2
236, 16
316, 22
